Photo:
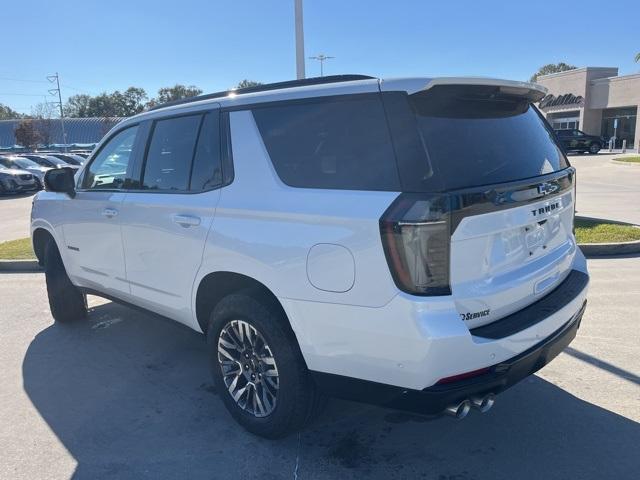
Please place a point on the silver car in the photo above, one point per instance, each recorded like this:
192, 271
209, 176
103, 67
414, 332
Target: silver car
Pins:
21, 163
15, 180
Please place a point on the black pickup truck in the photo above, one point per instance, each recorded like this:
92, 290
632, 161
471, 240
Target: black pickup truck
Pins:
573, 140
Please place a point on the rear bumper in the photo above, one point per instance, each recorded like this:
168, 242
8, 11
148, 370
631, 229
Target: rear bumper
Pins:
412, 343
433, 400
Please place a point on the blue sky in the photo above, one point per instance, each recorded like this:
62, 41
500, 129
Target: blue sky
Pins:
114, 44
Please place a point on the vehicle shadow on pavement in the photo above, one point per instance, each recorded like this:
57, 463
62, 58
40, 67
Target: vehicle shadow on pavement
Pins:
130, 396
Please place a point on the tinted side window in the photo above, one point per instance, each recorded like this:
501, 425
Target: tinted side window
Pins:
207, 169
337, 143
170, 153
108, 169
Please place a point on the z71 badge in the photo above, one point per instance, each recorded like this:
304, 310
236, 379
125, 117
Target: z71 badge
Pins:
474, 315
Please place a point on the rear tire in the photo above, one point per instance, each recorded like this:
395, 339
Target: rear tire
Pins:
594, 148
296, 400
66, 302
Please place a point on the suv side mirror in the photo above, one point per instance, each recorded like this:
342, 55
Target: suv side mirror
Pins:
60, 180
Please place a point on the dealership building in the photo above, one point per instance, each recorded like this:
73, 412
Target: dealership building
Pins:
595, 100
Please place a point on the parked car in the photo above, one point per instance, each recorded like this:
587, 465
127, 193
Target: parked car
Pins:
20, 163
45, 160
70, 158
343, 236
13, 180
574, 140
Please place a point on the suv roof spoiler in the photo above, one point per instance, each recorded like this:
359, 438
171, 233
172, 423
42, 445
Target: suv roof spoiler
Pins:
533, 91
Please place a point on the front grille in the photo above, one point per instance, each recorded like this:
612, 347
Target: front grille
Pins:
26, 176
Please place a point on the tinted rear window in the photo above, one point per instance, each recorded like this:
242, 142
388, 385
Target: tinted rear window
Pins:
336, 143
478, 136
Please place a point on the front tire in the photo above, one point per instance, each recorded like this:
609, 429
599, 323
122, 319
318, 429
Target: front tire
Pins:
257, 367
66, 302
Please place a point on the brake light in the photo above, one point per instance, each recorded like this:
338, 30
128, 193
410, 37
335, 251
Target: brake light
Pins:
415, 232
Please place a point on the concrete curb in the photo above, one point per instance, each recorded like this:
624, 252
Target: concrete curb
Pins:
24, 266
620, 162
592, 250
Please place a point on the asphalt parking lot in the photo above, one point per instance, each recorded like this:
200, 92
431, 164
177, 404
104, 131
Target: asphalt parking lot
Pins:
128, 395
605, 189
15, 211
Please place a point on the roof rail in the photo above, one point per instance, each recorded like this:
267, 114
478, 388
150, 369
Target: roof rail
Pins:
268, 86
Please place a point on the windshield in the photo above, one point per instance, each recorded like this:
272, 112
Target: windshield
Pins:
68, 159
476, 135
7, 163
25, 163
39, 160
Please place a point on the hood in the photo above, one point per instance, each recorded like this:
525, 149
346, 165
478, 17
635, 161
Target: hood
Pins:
39, 171
13, 171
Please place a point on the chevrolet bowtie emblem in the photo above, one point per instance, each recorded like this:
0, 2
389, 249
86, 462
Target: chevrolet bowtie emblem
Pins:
547, 188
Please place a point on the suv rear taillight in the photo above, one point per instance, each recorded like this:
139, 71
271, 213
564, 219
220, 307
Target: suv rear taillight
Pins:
415, 233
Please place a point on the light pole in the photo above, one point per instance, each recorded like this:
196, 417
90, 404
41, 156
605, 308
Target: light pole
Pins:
300, 74
53, 91
321, 57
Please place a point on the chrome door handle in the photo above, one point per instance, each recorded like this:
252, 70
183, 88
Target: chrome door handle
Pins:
109, 212
186, 221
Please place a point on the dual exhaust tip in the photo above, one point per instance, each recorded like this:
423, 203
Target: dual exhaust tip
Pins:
462, 409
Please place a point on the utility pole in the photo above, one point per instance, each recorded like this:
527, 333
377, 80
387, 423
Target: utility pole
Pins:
53, 91
300, 73
321, 57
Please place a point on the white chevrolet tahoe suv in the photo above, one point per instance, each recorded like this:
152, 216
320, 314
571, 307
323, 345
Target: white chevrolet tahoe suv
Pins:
404, 242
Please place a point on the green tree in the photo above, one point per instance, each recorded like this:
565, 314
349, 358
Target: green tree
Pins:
7, 113
177, 92
78, 105
551, 68
116, 104
248, 83
130, 102
27, 134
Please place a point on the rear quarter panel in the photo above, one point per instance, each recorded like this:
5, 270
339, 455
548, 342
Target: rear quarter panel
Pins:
265, 229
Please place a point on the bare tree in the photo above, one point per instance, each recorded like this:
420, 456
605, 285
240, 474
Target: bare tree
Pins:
43, 114
26, 134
